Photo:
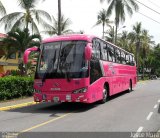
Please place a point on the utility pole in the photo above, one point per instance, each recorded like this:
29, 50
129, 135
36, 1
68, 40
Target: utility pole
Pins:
59, 17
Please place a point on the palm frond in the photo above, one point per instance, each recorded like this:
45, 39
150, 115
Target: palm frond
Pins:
2, 9
10, 19
27, 4
42, 14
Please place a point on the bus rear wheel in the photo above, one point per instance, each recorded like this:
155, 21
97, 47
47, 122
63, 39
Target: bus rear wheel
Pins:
105, 93
130, 86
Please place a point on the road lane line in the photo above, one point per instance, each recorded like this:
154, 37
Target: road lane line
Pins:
44, 123
149, 116
155, 106
158, 101
16, 106
139, 129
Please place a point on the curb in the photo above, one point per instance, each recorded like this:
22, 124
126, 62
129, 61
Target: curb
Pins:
17, 106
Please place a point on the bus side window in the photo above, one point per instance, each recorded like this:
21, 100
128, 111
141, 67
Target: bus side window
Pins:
127, 59
96, 49
123, 60
131, 60
118, 55
111, 53
104, 51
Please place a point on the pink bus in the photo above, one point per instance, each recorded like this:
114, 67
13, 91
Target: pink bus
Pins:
81, 68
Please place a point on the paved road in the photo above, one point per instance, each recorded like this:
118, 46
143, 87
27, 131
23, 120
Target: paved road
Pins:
126, 112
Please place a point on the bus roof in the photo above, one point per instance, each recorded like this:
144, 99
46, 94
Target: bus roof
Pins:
69, 37
84, 37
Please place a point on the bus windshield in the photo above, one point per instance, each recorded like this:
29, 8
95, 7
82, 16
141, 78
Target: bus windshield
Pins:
62, 60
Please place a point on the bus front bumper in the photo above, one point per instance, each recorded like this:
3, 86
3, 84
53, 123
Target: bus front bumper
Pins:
60, 98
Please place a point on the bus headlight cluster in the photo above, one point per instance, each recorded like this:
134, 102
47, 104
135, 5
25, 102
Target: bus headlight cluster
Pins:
82, 90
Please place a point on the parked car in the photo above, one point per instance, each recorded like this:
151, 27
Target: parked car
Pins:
153, 77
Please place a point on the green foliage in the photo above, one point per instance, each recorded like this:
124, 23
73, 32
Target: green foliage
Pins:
29, 17
15, 86
53, 28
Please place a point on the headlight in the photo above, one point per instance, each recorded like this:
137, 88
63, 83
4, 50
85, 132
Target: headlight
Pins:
82, 90
37, 91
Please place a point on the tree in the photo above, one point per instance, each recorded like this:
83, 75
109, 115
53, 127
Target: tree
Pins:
2, 9
136, 36
156, 63
29, 18
102, 18
59, 18
123, 40
120, 8
19, 40
54, 28
110, 35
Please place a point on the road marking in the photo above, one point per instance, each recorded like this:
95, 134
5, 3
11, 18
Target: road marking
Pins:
140, 129
155, 106
136, 135
149, 116
42, 124
16, 106
158, 101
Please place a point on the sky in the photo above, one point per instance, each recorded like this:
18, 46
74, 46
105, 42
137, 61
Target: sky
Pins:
83, 14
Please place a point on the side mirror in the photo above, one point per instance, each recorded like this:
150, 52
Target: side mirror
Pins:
27, 52
88, 51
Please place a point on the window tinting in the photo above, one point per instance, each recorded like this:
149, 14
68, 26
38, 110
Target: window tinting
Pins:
96, 49
111, 55
127, 59
118, 55
123, 60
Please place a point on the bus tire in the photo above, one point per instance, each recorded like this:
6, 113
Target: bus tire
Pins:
105, 93
130, 86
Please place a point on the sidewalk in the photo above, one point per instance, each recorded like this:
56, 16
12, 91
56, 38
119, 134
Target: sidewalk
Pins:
16, 102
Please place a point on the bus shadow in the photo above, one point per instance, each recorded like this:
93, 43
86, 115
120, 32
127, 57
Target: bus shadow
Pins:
52, 109
159, 109
117, 95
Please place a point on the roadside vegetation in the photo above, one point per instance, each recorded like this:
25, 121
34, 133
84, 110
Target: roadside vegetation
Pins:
15, 86
22, 29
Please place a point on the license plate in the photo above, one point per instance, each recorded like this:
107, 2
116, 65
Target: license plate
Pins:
55, 99
68, 97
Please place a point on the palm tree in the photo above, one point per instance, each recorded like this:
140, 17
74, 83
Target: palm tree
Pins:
136, 36
59, 18
19, 41
110, 35
29, 18
123, 40
54, 28
120, 7
103, 19
2, 9
145, 49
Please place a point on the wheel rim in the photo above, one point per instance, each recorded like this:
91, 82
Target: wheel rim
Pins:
130, 87
104, 94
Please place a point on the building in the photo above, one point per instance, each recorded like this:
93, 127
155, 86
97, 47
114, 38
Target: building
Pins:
7, 64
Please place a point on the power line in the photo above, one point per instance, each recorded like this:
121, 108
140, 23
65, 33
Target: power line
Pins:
154, 4
148, 7
149, 17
